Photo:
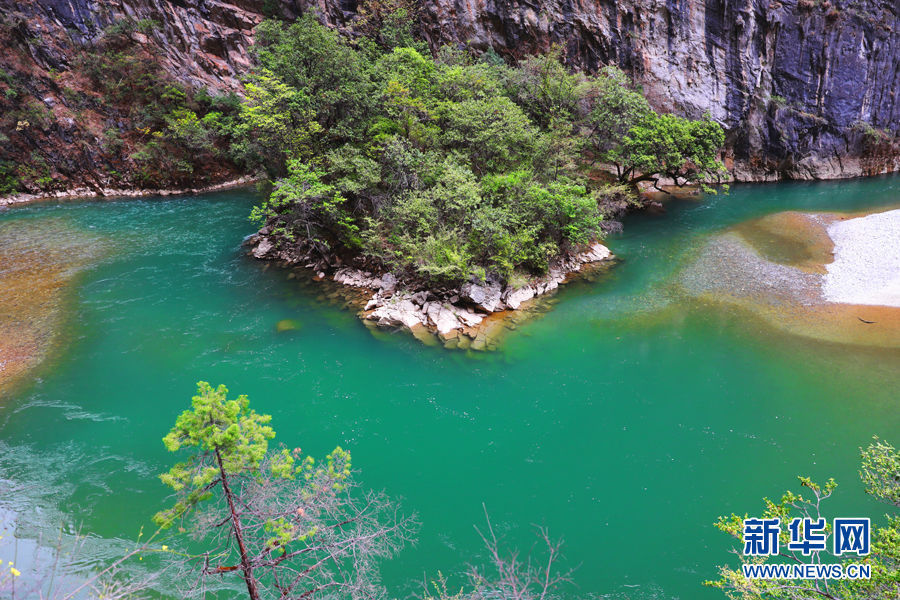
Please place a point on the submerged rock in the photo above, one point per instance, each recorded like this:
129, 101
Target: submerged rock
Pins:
287, 325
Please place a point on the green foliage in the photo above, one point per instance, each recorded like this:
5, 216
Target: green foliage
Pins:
9, 178
871, 134
237, 437
683, 150
176, 129
881, 475
389, 24
34, 173
546, 89
616, 109
442, 169
881, 471
316, 207
644, 145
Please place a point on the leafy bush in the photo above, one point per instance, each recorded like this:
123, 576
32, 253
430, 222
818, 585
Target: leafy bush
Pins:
9, 178
176, 129
444, 169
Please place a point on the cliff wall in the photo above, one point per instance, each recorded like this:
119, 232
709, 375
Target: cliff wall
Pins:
806, 89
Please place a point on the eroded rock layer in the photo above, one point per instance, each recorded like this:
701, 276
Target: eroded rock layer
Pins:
805, 88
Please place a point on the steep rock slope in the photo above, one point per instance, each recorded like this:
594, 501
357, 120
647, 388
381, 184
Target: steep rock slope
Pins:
806, 89
71, 116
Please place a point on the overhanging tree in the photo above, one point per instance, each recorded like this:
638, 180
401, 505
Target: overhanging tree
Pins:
880, 473
289, 527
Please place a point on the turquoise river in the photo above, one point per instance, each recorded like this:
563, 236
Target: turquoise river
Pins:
626, 419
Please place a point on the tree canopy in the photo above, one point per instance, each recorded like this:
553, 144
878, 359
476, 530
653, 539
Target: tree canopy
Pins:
289, 526
880, 473
446, 168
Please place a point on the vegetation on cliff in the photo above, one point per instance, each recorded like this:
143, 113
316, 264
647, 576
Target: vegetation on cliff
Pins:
449, 168
114, 119
442, 168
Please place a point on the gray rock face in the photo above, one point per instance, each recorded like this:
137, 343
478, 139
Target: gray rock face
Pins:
204, 42
804, 88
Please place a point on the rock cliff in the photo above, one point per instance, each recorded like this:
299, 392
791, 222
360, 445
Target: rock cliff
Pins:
805, 88
69, 122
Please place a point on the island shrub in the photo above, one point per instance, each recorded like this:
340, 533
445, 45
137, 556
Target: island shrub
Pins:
448, 168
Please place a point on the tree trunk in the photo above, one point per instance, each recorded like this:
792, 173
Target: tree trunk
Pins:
246, 567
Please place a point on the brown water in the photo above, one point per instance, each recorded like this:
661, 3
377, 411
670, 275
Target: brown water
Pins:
40, 260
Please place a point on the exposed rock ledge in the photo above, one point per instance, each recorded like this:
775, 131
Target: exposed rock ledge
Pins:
458, 317
99, 192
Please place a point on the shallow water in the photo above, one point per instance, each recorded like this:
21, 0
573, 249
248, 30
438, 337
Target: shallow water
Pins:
626, 419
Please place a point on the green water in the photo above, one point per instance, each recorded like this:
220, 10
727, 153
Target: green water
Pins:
626, 419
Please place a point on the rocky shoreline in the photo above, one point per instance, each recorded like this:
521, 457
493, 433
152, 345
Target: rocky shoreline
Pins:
88, 192
469, 316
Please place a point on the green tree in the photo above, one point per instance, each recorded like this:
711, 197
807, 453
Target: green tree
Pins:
546, 89
615, 109
303, 205
277, 124
685, 151
450, 168
624, 131
494, 133
294, 527
881, 474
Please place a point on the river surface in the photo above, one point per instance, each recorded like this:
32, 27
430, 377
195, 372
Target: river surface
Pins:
626, 419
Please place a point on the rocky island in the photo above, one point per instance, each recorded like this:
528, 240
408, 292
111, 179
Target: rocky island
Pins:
458, 317
454, 160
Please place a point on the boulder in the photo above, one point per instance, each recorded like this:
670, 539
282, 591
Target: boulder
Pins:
445, 322
467, 317
263, 248
514, 298
398, 312
388, 282
595, 253
486, 297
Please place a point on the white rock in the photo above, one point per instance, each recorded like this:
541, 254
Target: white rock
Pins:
468, 318
515, 298
446, 321
595, 253
402, 312
486, 297
263, 248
